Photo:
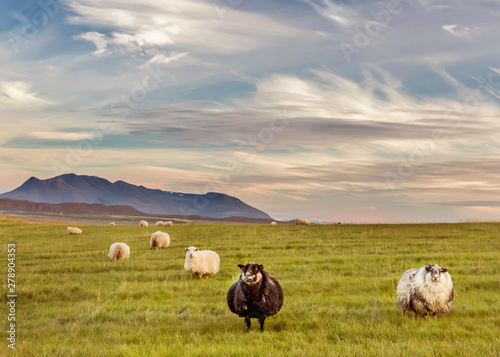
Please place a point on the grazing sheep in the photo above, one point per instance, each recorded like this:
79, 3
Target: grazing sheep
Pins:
273, 223
73, 230
144, 224
159, 240
256, 294
201, 262
112, 224
159, 224
118, 251
425, 290
302, 222
168, 224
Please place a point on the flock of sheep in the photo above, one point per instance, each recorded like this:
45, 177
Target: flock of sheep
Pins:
257, 294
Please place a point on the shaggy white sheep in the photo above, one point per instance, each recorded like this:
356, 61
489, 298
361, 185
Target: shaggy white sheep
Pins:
168, 224
301, 222
159, 224
201, 262
73, 230
273, 223
144, 224
159, 240
118, 251
112, 224
425, 290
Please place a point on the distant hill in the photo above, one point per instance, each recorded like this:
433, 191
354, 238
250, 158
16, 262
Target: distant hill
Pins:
9, 204
71, 188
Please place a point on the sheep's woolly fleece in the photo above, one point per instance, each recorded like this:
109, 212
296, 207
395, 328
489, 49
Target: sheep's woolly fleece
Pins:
73, 230
159, 240
201, 262
424, 290
119, 251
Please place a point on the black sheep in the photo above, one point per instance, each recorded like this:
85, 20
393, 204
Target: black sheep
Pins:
256, 294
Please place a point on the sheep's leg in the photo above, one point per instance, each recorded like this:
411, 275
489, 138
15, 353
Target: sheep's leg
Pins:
435, 316
262, 318
425, 316
248, 322
404, 312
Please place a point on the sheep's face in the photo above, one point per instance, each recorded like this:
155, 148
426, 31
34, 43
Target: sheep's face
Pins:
191, 252
251, 273
434, 272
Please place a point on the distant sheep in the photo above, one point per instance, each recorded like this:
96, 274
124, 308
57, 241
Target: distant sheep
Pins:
73, 230
112, 224
159, 224
168, 224
302, 222
144, 224
119, 251
425, 290
201, 262
273, 223
256, 294
159, 240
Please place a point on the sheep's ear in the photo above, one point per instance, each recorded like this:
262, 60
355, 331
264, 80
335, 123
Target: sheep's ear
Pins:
443, 270
242, 267
196, 250
261, 267
187, 249
428, 267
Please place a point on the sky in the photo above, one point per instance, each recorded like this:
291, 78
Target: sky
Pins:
350, 111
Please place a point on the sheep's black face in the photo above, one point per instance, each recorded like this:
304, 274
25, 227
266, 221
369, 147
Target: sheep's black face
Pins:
251, 273
435, 271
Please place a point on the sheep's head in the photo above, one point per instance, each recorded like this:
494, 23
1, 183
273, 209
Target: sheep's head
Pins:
191, 251
435, 271
251, 273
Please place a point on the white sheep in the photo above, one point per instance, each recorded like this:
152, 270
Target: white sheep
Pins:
273, 223
425, 290
144, 224
159, 240
159, 224
201, 262
168, 224
73, 230
118, 251
302, 222
112, 224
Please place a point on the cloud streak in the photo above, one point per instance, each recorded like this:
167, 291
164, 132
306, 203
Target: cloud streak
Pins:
18, 94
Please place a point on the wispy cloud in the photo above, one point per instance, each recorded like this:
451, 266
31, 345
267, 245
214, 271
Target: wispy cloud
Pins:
63, 136
460, 31
163, 59
100, 41
187, 23
18, 94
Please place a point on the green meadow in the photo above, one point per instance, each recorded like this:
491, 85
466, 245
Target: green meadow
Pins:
339, 282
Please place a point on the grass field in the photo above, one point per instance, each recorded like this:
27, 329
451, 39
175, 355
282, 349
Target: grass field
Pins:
339, 282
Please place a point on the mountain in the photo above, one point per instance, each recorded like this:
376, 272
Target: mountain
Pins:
92, 189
